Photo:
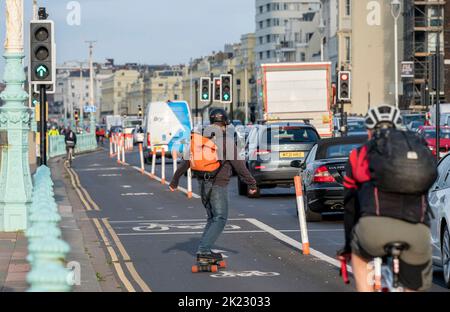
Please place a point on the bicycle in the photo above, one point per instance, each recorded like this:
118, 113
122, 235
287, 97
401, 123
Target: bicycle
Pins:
385, 270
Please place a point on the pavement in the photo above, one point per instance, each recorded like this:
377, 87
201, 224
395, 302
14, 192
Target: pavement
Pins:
86, 256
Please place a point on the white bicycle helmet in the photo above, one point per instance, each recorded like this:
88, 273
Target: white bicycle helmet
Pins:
383, 114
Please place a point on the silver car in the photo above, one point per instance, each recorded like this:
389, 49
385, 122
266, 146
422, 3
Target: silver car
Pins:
439, 198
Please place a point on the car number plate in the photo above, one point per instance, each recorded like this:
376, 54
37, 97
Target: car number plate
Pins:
292, 154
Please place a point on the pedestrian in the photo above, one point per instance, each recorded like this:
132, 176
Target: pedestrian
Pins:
53, 131
213, 184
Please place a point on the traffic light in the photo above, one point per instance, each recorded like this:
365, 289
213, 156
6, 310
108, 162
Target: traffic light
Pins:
345, 81
217, 83
140, 111
42, 58
226, 87
76, 117
205, 84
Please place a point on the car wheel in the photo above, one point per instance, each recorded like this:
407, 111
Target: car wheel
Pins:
242, 188
311, 216
446, 256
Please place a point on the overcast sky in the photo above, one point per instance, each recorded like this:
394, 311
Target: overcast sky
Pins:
143, 31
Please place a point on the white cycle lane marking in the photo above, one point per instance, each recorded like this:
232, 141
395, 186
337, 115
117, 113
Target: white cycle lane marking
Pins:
160, 227
234, 274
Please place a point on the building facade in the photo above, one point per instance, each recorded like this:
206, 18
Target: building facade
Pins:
284, 29
114, 92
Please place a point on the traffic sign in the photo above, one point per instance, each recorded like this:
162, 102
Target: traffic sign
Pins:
90, 109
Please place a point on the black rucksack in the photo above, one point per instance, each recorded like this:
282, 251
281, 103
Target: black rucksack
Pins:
400, 162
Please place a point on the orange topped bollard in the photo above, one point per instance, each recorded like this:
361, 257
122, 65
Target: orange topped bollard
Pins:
163, 166
301, 214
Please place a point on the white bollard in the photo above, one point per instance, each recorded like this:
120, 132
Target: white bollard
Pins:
153, 162
175, 161
189, 183
111, 152
163, 166
301, 215
141, 154
118, 153
123, 150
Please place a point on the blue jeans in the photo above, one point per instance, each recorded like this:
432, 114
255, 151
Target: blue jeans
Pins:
217, 209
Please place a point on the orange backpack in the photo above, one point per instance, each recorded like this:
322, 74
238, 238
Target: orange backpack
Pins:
204, 156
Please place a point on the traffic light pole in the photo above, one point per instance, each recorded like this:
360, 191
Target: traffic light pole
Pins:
196, 100
43, 126
437, 74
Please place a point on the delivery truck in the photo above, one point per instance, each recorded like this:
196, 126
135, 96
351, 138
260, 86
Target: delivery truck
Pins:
298, 92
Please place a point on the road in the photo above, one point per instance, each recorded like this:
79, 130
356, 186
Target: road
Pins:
151, 234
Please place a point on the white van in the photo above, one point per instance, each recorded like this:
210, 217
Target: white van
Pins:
168, 126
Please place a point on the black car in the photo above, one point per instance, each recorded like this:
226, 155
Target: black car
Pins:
270, 150
323, 174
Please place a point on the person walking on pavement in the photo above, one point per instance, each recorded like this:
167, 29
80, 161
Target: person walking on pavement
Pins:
386, 186
53, 131
71, 142
213, 187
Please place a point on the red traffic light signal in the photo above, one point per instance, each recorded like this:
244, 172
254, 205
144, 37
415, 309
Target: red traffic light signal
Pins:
344, 92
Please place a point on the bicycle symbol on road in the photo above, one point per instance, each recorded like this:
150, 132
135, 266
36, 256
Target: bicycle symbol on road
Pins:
158, 227
245, 274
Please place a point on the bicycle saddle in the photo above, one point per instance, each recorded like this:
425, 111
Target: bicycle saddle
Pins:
396, 248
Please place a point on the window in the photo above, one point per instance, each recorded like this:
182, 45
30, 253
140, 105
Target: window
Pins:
268, 38
348, 49
268, 23
348, 7
261, 55
268, 7
276, 22
261, 9
303, 57
261, 40
261, 25
268, 54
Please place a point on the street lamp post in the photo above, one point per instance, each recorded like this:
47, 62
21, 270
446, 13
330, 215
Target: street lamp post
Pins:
15, 178
396, 7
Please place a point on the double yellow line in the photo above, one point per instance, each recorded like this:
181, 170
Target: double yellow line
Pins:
100, 224
124, 257
85, 198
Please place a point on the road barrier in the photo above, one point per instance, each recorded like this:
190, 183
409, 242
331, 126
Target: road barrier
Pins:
46, 251
301, 215
141, 156
57, 144
163, 166
153, 173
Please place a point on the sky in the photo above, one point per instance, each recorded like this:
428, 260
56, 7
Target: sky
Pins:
142, 31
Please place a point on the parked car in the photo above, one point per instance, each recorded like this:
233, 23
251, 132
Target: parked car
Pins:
439, 199
270, 150
429, 133
323, 174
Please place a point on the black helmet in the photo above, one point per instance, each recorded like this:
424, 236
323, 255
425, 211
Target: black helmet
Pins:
218, 115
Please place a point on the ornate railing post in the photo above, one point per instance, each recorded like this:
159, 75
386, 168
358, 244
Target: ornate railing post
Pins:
15, 179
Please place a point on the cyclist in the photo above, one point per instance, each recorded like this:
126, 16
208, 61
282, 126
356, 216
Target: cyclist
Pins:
214, 191
369, 226
71, 142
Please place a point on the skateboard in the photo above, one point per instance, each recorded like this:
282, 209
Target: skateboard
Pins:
205, 265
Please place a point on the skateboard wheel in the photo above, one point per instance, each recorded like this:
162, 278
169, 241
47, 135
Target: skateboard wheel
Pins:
194, 269
214, 268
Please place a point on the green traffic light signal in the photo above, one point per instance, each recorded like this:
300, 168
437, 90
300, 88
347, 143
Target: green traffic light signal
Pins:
42, 71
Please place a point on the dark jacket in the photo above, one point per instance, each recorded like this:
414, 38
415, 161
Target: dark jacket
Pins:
71, 137
362, 198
